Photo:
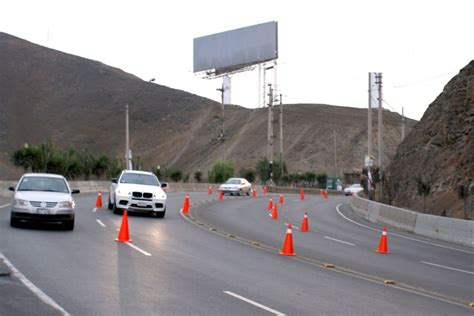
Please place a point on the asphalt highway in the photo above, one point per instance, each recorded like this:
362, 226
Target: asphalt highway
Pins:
223, 259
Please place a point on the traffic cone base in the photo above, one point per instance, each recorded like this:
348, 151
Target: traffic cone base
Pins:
98, 201
383, 247
287, 249
123, 235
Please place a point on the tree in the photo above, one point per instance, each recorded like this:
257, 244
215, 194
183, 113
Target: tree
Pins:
322, 179
423, 189
463, 193
198, 176
263, 170
248, 173
221, 171
100, 166
310, 177
176, 175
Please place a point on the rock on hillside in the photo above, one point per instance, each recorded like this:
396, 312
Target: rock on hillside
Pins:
49, 95
440, 152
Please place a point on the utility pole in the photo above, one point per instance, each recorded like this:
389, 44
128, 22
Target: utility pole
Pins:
369, 119
222, 134
270, 132
403, 125
128, 162
378, 81
335, 155
281, 135
128, 152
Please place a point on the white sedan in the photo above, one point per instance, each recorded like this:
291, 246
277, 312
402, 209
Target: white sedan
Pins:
355, 188
137, 191
236, 186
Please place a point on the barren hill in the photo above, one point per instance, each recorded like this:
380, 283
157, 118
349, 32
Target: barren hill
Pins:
49, 95
439, 152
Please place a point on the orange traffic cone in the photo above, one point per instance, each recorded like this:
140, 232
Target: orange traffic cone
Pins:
254, 193
321, 192
383, 248
221, 195
98, 201
186, 205
326, 194
123, 235
287, 249
275, 212
301, 194
304, 224
270, 204
280, 199
209, 190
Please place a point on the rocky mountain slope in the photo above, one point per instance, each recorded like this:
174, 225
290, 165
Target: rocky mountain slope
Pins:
439, 152
49, 95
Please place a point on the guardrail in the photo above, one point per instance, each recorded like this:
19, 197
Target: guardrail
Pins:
442, 228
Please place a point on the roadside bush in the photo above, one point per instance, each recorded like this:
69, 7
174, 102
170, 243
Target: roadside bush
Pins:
221, 171
198, 176
248, 173
176, 175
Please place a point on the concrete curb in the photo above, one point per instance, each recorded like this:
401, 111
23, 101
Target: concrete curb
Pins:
453, 230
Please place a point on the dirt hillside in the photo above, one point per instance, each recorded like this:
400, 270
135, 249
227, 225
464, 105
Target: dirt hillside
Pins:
49, 95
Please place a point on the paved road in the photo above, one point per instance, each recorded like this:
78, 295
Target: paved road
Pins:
194, 270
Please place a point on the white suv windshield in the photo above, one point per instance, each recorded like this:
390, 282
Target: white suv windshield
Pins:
233, 182
138, 178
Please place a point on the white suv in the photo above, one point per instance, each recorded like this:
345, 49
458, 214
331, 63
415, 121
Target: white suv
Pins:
137, 191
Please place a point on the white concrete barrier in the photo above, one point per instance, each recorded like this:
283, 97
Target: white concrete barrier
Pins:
448, 229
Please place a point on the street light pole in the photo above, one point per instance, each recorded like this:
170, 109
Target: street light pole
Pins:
128, 152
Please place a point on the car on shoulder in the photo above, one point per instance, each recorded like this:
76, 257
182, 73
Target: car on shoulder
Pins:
43, 198
237, 186
137, 191
354, 188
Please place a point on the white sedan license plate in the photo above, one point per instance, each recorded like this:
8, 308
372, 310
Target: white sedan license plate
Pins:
141, 203
43, 211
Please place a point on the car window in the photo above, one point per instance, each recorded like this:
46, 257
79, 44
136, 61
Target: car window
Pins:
138, 178
233, 181
47, 184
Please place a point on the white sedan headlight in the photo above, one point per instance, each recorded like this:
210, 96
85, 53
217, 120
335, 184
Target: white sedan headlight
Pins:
66, 204
21, 202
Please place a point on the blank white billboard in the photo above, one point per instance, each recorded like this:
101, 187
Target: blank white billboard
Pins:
237, 48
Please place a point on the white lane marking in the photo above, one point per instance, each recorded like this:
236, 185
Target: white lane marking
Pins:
445, 267
341, 241
33, 288
94, 209
100, 222
268, 309
401, 236
5, 205
138, 249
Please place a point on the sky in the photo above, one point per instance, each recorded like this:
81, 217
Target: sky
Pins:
326, 48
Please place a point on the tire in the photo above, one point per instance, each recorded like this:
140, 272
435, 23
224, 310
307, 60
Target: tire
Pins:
115, 210
69, 225
110, 206
160, 214
248, 192
14, 222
